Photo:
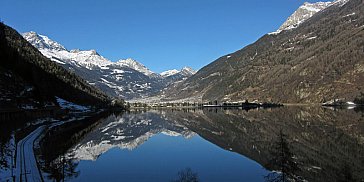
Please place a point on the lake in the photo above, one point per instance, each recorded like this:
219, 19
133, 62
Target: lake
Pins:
325, 144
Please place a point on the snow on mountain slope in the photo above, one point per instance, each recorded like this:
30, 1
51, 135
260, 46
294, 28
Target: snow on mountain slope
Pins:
340, 2
127, 78
169, 73
42, 42
71, 106
90, 57
60, 54
304, 12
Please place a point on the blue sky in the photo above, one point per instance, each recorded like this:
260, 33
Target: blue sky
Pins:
161, 34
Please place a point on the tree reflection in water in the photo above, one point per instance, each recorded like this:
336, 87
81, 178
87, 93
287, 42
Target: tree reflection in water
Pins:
186, 175
54, 146
346, 174
7, 156
58, 165
5, 152
62, 168
283, 161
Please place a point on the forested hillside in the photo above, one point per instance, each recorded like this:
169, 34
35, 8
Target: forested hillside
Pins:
320, 60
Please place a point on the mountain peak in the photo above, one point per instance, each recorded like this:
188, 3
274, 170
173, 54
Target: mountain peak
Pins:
185, 71
94, 52
188, 70
304, 12
42, 42
133, 64
130, 61
169, 73
75, 51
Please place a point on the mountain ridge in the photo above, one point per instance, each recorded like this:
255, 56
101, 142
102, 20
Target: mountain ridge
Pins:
126, 78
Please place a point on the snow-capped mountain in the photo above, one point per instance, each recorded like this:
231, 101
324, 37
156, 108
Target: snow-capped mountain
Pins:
169, 73
304, 12
126, 132
126, 78
58, 53
186, 71
175, 76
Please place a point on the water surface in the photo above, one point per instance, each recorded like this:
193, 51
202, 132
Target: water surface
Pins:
207, 145
150, 147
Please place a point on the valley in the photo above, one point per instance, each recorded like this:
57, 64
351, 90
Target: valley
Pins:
286, 107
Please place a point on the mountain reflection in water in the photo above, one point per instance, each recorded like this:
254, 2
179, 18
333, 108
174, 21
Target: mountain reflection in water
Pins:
326, 145
126, 131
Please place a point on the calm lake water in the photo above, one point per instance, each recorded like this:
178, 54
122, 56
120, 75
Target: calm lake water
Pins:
207, 145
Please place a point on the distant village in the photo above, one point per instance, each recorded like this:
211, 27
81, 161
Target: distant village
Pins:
243, 104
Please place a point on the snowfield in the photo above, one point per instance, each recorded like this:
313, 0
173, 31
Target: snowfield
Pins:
71, 106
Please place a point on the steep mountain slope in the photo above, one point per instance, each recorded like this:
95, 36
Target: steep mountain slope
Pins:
36, 78
321, 59
127, 78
